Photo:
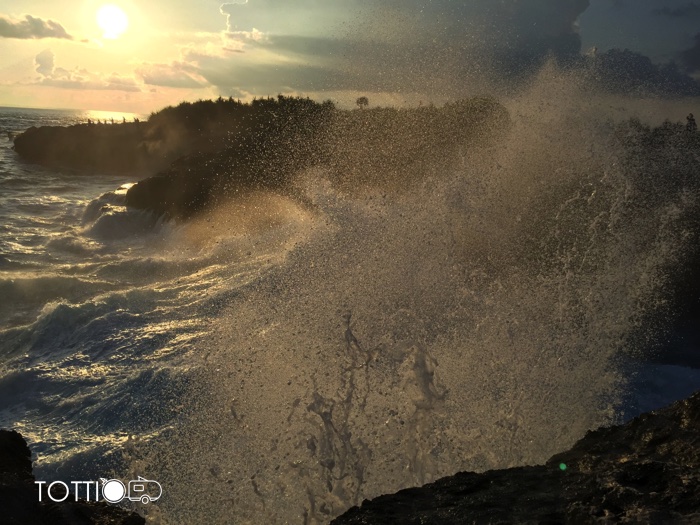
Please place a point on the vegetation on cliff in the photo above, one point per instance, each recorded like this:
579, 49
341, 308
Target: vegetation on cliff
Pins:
210, 150
271, 140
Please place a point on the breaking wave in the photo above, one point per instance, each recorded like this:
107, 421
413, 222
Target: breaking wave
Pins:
476, 316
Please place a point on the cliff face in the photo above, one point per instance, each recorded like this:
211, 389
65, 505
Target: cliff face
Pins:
646, 471
19, 497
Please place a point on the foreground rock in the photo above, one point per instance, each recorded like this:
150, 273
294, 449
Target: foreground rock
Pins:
646, 471
19, 501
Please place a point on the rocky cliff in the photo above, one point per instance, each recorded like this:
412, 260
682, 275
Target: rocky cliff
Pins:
646, 471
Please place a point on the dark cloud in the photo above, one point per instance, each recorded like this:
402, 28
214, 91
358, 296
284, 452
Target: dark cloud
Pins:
31, 28
482, 23
408, 45
690, 57
691, 9
439, 48
626, 72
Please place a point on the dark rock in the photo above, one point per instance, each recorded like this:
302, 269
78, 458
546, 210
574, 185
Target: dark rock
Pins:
113, 148
646, 471
15, 457
19, 497
207, 151
381, 146
280, 138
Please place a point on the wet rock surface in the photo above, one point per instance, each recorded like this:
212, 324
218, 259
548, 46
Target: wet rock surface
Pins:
19, 497
646, 471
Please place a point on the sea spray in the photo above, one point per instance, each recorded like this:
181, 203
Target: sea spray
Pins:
471, 318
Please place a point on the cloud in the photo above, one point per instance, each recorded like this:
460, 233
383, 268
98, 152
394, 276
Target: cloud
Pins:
383, 43
229, 10
691, 9
254, 35
690, 57
632, 73
239, 74
44, 62
438, 49
84, 80
31, 28
175, 75
115, 82
79, 78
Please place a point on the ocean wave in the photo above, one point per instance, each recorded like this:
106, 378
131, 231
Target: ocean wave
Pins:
74, 245
23, 296
374, 331
104, 202
116, 223
466, 317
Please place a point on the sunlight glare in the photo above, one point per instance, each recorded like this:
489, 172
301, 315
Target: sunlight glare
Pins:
112, 20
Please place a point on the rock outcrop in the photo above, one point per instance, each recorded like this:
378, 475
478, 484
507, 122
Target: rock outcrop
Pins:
19, 497
646, 471
101, 147
206, 151
282, 137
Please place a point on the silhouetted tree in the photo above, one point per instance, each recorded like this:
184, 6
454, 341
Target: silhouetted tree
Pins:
362, 102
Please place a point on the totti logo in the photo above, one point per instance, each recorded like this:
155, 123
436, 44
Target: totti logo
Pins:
112, 490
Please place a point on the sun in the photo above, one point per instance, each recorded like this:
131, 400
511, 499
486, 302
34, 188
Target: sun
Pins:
112, 20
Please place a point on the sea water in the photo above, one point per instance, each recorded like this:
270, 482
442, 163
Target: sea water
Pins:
271, 361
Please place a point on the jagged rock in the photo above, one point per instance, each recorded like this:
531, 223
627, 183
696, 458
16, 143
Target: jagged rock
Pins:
19, 497
646, 471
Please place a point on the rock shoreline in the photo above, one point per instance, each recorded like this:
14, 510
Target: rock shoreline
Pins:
645, 471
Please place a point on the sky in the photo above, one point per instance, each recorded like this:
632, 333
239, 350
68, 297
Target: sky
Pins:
60, 54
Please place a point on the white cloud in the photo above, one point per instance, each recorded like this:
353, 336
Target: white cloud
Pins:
253, 36
44, 62
229, 10
79, 78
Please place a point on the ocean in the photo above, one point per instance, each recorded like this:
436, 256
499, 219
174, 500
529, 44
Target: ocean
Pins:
278, 362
